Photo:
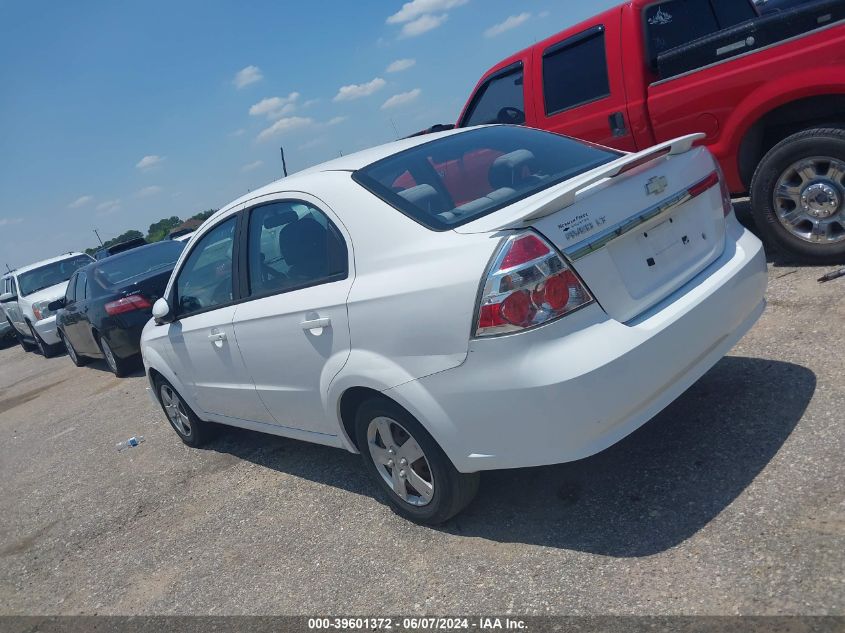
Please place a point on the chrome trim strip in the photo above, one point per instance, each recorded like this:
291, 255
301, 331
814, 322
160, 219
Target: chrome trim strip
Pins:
754, 52
602, 239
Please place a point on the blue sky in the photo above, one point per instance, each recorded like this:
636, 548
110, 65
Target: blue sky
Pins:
116, 114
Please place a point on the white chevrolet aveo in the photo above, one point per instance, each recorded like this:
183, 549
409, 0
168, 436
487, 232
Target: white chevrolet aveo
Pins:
487, 298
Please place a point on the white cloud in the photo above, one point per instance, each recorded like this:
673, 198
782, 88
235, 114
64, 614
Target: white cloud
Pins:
310, 103
10, 221
356, 91
149, 191
417, 8
314, 142
544, 14
422, 25
401, 64
247, 76
239, 132
109, 205
336, 120
252, 166
148, 162
401, 99
275, 107
81, 201
510, 23
283, 125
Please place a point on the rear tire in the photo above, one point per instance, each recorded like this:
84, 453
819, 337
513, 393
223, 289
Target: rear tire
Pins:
798, 196
118, 366
431, 490
190, 429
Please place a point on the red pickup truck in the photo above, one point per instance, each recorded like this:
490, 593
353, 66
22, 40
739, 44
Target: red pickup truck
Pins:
767, 89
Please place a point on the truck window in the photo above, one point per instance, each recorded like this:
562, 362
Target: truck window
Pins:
502, 92
731, 12
575, 71
675, 22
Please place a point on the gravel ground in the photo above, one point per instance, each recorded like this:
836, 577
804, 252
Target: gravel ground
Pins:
731, 501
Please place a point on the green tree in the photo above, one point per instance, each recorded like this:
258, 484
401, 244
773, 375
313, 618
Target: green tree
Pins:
159, 230
204, 215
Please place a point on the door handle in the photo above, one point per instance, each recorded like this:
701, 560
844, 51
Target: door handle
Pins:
315, 324
617, 124
217, 336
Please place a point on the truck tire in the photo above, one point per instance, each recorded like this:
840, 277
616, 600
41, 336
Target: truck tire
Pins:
798, 196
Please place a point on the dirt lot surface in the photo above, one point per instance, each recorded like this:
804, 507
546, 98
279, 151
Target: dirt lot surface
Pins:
730, 501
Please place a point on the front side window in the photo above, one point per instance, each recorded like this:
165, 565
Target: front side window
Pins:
51, 274
205, 281
293, 245
575, 71
464, 176
70, 293
500, 100
81, 287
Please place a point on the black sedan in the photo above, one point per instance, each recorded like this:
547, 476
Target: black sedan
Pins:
107, 304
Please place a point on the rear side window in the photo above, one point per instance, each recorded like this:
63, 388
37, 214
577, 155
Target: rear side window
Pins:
500, 100
464, 176
575, 71
293, 245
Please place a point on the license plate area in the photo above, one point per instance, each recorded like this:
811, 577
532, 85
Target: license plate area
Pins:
664, 254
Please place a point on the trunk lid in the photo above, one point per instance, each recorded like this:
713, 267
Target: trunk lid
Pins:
629, 228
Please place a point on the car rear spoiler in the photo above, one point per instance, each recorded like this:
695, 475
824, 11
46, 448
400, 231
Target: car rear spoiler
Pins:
564, 195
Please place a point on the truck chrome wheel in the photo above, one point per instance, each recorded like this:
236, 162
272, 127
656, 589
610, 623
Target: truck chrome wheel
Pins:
809, 200
400, 461
175, 410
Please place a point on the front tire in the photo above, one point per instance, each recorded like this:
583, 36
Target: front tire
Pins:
47, 351
798, 196
190, 429
419, 480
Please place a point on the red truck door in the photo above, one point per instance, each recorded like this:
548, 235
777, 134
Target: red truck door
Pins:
578, 85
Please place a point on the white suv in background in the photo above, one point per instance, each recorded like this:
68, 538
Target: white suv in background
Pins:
28, 291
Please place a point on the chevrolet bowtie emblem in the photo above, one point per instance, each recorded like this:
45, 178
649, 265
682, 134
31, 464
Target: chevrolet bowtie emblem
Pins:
657, 185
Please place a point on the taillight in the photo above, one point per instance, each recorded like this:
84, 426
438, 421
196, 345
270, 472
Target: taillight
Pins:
128, 304
715, 178
529, 284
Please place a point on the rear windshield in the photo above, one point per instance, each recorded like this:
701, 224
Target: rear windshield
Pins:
459, 178
141, 261
51, 274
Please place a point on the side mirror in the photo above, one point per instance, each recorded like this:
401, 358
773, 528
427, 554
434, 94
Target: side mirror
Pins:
7, 297
161, 311
58, 304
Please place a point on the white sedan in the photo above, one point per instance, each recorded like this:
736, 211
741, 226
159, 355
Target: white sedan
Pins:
485, 298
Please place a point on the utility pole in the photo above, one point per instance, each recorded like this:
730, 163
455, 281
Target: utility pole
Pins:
98, 237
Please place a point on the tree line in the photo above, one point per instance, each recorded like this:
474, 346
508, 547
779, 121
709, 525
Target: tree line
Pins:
157, 231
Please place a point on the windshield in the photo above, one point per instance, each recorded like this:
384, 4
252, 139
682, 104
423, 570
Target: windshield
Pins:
459, 178
51, 274
140, 261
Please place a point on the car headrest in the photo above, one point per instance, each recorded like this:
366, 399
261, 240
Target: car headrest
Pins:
422, 196
304, 246
506, 171
279, 218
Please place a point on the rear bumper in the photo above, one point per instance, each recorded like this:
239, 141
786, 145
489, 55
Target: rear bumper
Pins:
124, 333
577, 386
46, 329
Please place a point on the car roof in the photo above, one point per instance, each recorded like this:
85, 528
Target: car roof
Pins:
44, 262
349, 163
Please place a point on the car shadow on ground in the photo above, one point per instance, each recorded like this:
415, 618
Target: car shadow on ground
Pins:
644, 495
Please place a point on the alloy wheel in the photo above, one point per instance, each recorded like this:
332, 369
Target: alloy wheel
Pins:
174, 408
400, 461
110, 359
809, 200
